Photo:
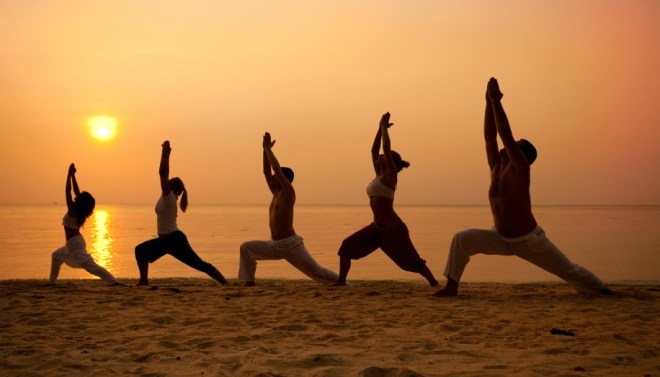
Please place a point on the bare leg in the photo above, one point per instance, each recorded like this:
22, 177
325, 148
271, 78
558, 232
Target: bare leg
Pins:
144, 274
344, 267
451, 289
429, 276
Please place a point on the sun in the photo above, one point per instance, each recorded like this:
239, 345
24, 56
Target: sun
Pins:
102, 127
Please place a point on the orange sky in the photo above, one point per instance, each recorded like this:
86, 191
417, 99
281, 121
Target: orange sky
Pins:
580, 79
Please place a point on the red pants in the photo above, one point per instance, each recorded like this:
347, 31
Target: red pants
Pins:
393, 238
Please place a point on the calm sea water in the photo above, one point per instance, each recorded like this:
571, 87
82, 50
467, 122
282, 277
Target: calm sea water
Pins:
618, 243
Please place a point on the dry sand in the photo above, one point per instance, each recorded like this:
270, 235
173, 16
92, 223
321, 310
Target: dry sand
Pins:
194, 327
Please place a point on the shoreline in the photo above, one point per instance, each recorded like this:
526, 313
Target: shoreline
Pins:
195, 327
413, 280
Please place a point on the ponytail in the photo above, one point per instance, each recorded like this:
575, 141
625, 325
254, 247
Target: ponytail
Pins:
178, 188
183, 204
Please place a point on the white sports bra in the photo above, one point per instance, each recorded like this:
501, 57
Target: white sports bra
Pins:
377, 188
70, 221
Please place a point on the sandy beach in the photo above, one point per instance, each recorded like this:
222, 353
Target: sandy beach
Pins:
194, 327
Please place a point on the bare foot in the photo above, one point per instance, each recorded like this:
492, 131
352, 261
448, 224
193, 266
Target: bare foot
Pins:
142, 283
451, 289
218, 276
606, 292
446, 292
250, 284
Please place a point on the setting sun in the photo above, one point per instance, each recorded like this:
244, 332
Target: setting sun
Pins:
102, 127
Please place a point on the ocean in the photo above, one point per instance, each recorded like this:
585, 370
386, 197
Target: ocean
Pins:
618, 243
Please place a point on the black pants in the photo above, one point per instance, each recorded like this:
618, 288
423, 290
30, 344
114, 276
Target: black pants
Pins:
176, 245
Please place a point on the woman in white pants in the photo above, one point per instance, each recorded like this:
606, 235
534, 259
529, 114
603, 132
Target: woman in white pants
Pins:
74, 252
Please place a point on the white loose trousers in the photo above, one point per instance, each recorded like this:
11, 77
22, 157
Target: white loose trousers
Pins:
292, 249
533, 247
74, 254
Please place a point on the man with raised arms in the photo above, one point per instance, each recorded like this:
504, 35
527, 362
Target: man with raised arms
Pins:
284, 242
516, 231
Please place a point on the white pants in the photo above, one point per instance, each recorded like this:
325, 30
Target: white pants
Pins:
533, 247
74, 254
292, 249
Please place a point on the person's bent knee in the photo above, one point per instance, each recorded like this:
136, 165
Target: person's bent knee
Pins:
345, 249
140, 256
462, 235
461, 239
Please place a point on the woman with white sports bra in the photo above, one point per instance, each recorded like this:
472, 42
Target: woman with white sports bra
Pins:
74, 252
170, 239
387, 231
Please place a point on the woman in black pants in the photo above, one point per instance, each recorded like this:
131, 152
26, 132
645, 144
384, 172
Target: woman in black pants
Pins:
170, 239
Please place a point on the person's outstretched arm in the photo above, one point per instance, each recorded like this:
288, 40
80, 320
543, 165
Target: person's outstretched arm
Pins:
70, 178
274, 164
490, 134
390, 173
375, 148
164, 169
266, 164
516, 156
76, 190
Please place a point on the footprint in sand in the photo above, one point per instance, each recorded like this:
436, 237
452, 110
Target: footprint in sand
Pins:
168, 344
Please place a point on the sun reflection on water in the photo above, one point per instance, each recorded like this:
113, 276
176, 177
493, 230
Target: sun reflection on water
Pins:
101, 241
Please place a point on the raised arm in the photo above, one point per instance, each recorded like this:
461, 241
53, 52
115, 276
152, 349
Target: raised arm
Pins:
274, 164
164, 169
70, 178
375, 148
390, 174
266, 162
76, 190
387, 145
490, 134
516, 156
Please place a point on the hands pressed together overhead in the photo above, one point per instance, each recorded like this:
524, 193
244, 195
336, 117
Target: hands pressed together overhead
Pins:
267, 143
493, 93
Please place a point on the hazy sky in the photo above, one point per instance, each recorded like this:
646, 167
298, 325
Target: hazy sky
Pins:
581, 79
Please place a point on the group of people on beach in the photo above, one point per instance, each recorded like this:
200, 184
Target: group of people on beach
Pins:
515, 230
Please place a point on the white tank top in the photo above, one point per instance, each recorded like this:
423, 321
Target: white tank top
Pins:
166, 213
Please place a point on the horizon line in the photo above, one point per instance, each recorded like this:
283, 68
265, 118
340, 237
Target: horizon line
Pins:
362, 204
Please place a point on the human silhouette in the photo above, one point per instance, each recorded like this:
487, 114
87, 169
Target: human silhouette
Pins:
387, 230
284, 243
74, 252
170, 239
516, 231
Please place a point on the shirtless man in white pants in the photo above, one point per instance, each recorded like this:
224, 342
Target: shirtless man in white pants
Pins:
284, 242
516, 231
